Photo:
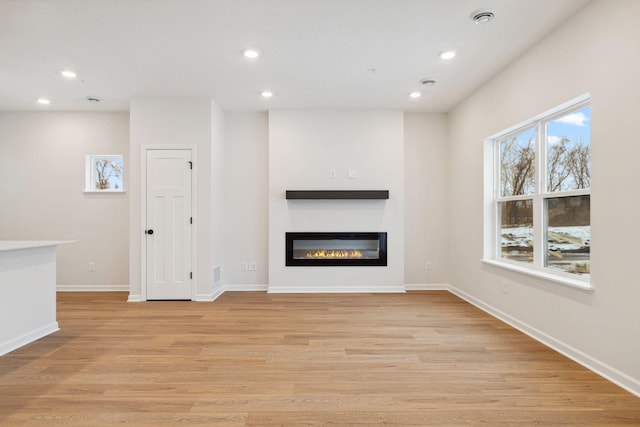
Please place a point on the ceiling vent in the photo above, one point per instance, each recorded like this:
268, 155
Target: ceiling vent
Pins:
482, 16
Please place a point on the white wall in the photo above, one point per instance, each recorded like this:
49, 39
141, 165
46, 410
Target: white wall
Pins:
246, 200
244, 222
247, 203
42, 171
193, 123
598, 52
425, 210
304, 146
208, 287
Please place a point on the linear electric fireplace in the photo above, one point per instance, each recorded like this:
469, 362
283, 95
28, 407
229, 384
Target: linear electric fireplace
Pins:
336, 249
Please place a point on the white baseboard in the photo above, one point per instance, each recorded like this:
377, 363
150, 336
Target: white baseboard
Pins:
92, 288
263, 287
255, 287
335, 289
259, 287
15, 343
426, 287
610, 373
134, 298
218, 290
209, 297
204, 297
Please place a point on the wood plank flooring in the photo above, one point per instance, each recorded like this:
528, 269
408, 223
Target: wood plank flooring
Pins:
252, 358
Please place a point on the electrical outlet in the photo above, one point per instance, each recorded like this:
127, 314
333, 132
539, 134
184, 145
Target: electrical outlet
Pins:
428, 266
505, 286
92, 266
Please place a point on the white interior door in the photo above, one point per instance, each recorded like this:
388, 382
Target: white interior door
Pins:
168, 225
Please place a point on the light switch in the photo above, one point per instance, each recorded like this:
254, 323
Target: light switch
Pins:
352, 174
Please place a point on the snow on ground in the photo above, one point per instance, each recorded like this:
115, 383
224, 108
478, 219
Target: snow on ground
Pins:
568, 247
560, 238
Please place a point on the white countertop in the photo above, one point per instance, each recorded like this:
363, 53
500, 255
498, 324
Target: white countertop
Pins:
11, 245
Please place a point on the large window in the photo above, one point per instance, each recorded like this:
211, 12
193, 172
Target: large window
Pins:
540, 192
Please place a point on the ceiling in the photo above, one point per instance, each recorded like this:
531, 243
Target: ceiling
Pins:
314, 53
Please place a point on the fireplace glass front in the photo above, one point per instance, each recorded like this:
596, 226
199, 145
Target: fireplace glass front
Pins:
336, 249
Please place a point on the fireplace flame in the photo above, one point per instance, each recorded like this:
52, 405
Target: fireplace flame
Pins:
333, 254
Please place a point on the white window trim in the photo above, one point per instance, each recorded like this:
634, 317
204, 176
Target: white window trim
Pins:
491, 235
544, 274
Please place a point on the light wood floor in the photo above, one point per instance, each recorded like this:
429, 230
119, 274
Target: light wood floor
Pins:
251, 358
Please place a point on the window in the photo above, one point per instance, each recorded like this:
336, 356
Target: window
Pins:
539, 191
104, 173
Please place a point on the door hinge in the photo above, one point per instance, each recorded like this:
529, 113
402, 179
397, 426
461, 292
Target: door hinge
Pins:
191, 275
190, 220
190, 164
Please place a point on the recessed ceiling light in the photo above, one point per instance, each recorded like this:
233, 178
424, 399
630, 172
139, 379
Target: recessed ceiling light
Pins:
415, 94
267, 94
68, 74
43, 101
447, 54
482, 16
251, 53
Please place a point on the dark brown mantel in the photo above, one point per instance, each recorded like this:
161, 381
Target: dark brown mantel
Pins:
337, 194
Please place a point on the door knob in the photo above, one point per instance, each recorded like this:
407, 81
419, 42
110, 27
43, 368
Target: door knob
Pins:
149, 231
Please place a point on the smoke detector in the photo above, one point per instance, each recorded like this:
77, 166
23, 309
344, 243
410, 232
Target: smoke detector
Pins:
482, 16
93, 99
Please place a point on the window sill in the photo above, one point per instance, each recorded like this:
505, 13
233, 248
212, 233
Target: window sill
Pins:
556, 278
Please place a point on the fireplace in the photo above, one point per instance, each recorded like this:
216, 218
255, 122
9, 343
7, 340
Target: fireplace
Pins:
336, 249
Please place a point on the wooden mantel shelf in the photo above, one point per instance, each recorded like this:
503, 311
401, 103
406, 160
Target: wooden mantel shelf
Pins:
337, 194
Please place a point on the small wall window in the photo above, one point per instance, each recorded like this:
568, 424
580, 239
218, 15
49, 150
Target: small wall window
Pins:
538, 192
104, 173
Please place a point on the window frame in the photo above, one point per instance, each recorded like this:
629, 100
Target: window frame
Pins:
493, 197
91, 161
